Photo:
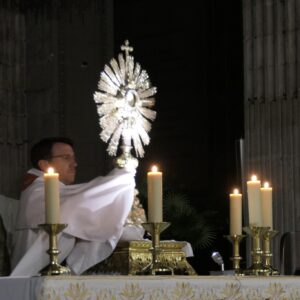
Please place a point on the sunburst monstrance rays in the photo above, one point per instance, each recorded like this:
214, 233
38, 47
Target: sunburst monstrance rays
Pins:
124, 103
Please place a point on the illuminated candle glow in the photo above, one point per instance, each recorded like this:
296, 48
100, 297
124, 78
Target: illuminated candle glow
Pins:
235, 213
267, 206
254, 201
52, 205
154, 180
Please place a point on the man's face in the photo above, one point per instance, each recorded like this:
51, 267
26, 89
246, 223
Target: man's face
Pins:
64, 162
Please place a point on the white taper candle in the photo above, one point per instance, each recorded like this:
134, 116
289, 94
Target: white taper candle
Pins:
235, 213
267, 206
254, 201
155, 211
52, 203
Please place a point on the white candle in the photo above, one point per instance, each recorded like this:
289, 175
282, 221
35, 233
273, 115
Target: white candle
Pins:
267, 206
52, 205
154, 179
235, 213
254, 201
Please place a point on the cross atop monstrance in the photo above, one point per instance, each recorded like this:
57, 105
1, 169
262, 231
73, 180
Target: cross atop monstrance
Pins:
126, 48
124, 102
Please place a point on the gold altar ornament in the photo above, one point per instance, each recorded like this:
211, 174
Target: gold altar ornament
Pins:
131, 257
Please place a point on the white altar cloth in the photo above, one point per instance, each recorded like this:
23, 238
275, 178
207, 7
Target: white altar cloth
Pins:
18, 288
149, 288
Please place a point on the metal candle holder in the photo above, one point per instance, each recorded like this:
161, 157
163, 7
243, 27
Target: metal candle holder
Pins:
236, 258
156, 267
54, 268
257, 267
267, 254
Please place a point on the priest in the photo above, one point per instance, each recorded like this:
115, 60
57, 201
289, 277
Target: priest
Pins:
95, 212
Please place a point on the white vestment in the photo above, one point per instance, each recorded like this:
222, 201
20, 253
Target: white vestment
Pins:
95, 213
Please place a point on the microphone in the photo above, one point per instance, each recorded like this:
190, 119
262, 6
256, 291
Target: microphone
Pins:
217, 258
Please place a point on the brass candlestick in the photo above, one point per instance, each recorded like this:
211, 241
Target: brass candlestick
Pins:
156, 267
257, 267
267, 254
54, 268
236, 258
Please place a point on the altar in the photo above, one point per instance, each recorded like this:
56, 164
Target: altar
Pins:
149, 287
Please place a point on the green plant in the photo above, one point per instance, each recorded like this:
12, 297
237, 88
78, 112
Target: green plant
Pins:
187, 223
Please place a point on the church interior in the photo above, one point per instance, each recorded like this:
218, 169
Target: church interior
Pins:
227, 107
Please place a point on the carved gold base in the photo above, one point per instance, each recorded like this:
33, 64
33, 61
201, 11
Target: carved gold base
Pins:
130, 258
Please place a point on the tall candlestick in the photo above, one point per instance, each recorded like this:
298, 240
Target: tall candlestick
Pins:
254, 202
267, 206
52, 205
154, 179
235, 213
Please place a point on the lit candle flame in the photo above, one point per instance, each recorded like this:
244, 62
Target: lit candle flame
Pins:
266, 184
235, 191
50, 171
254, 178
154, 169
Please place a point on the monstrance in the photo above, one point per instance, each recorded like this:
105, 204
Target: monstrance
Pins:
124, 103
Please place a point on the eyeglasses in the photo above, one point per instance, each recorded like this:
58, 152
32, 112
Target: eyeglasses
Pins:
67, 157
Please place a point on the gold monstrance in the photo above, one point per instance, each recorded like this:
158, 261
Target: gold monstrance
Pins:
124, 106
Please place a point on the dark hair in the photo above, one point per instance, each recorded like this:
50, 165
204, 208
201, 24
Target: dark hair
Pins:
43, 149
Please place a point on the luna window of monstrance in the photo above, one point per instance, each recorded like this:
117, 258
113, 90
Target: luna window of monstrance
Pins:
124, 103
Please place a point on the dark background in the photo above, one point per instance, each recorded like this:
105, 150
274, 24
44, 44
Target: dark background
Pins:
194, 56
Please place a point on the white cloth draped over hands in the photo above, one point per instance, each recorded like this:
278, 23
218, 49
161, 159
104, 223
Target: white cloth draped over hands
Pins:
95, 212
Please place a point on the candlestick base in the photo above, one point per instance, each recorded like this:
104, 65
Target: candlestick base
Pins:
54, 268
267, 254
157, 266
236, 258
257, 268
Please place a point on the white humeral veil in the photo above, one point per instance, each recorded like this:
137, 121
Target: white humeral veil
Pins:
95, 212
